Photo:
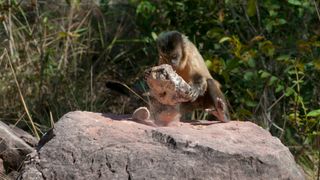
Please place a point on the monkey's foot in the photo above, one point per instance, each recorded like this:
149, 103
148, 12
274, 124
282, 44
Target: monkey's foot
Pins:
169, 117
142, 115
219, 111
219, 115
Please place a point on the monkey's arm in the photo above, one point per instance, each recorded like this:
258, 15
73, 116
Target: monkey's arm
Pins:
221, 110
198, 86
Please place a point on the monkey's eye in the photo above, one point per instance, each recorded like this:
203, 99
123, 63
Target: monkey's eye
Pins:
174, 56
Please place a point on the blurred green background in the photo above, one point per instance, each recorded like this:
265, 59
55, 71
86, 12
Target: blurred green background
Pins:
55, 57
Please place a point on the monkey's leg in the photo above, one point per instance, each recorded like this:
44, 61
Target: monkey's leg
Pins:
164, 115
220, 107
219, 112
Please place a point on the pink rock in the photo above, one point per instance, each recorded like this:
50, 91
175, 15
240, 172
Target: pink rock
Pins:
2, 171
87, 145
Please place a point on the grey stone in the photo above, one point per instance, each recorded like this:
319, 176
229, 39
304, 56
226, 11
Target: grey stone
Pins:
87, 145
2, 170
13, 149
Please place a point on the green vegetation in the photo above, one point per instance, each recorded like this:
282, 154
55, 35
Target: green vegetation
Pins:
266, 54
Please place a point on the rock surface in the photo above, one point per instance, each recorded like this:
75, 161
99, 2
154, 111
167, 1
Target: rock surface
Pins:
2, 171
167, 86
26, 137
86, 145
13, 149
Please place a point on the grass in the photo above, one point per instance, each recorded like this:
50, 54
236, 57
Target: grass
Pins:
56, 60
33, 129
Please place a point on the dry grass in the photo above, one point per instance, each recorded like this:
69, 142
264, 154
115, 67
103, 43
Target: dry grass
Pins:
53, 62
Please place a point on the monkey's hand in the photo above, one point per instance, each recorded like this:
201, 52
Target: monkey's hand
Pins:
194, 94
197, 90
220, 111
167, 86
142, 115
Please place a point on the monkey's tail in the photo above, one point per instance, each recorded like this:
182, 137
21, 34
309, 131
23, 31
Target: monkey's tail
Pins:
123, 89
219, 101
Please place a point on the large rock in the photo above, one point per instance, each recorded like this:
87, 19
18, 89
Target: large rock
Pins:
13, 148
2, 170
86, 145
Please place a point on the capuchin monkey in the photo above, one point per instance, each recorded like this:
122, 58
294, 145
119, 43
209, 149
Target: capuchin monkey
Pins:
176, 50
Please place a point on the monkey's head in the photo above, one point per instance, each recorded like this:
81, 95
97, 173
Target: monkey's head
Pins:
170, 47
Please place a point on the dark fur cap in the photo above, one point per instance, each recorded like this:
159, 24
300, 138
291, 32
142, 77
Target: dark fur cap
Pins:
168, 41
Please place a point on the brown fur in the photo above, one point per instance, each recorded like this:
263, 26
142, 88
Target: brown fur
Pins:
192, 68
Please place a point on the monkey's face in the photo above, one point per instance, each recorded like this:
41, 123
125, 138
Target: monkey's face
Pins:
173, 58
170, 48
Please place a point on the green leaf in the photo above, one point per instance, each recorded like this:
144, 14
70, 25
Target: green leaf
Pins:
281, 21
264, 74
250, 103
225, 39
267, 48
248, 76
251, 63
316, 43
289, 91
45, 20
217, 46
284, 57
215, 32
294, 2
209, 64
145, 8
232, 64
154, 35
81, 30
62, 34
279, 88
272, 80
297, 81
251, 8
269, 26
273, 13
244, 112
314, 113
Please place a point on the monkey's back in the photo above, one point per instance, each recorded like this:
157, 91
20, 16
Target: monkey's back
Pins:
202, 103
194, 63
